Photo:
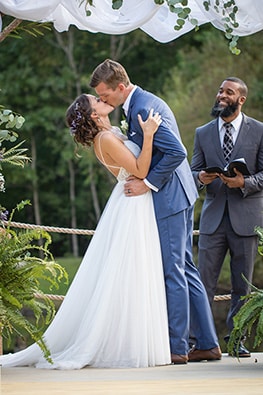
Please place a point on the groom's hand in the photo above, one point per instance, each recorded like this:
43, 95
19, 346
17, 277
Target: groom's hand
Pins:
135, 186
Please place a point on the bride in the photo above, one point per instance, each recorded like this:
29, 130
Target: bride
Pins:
114, 314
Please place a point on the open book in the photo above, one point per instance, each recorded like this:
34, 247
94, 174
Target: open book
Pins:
228, 171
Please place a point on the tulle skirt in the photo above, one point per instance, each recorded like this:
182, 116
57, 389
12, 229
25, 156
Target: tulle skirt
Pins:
114, 314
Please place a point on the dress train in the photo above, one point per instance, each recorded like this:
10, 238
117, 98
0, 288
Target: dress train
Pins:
114, 314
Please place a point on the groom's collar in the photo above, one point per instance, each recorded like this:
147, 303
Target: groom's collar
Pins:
126, 104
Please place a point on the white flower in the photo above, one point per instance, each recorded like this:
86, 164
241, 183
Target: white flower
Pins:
124, 126
2, 183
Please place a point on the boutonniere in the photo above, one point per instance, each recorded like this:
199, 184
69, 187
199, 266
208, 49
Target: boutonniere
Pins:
124, 126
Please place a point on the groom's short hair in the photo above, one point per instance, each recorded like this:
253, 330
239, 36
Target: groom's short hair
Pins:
111, 73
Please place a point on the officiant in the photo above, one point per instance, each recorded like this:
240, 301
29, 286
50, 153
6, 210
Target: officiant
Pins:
233, 206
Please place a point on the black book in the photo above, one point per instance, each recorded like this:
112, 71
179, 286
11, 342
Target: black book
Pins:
228, 171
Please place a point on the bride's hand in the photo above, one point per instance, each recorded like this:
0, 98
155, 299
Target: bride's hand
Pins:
151, 124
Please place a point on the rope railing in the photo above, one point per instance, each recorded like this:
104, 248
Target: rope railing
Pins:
58, 229
61, 297
79, 232
49, 228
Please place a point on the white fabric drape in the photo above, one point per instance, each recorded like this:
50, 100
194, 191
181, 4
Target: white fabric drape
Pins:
157, 21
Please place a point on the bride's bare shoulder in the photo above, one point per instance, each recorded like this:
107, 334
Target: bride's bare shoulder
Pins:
106, 137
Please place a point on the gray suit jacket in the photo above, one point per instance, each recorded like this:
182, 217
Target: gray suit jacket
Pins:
245, 206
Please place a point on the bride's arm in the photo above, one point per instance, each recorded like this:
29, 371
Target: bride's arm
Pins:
116, 154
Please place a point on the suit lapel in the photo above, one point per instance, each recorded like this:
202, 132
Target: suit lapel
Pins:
241, 138
133, 131
216, 139
132, 101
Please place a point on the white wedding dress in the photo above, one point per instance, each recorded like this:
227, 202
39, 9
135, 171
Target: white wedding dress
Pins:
114, 314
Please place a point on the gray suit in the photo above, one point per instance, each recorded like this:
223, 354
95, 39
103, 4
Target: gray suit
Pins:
229, 215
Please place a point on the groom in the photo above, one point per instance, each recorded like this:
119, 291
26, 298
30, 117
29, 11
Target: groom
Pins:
174, 194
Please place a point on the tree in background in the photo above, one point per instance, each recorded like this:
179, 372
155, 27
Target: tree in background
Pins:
46, 73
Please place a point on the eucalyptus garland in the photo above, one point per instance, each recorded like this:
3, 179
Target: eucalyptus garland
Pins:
227, 9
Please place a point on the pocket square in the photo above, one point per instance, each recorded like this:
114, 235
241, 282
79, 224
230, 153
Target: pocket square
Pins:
132, 133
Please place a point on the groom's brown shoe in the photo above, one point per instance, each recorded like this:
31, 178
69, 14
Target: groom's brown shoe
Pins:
179, 359
196, 355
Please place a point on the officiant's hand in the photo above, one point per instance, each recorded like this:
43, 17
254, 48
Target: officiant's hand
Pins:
135, 186
233, 182
206, 178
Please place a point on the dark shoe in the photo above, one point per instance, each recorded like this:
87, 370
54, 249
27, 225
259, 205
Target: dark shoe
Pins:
178, 359
240, 351
196, 355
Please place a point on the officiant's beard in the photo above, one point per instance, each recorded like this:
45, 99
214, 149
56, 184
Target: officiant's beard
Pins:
224, 112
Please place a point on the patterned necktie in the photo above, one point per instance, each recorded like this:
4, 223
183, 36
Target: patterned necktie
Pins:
228, 141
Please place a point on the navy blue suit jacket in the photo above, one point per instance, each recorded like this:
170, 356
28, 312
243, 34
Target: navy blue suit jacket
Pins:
169, 171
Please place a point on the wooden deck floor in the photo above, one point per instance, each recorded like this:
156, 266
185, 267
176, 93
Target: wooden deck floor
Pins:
226, 377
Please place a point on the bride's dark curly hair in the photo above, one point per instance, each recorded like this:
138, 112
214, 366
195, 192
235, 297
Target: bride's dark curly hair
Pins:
78, 117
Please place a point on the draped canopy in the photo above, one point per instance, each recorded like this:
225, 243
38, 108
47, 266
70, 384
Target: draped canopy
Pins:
156, 20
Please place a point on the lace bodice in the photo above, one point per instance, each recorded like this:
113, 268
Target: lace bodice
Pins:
135, 149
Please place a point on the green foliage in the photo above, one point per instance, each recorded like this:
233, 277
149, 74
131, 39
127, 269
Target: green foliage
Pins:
15, 155
20, 273
87, 3
116, 4
259, 232
228, 11
20, 267
9, 120
250, 314
34, 29
36, 79
181, 9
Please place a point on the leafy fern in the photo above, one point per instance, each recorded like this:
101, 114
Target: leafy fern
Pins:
251, 313
14, 156
20, 273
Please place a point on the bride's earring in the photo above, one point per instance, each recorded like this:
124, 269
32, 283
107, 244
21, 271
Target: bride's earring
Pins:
96, 116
